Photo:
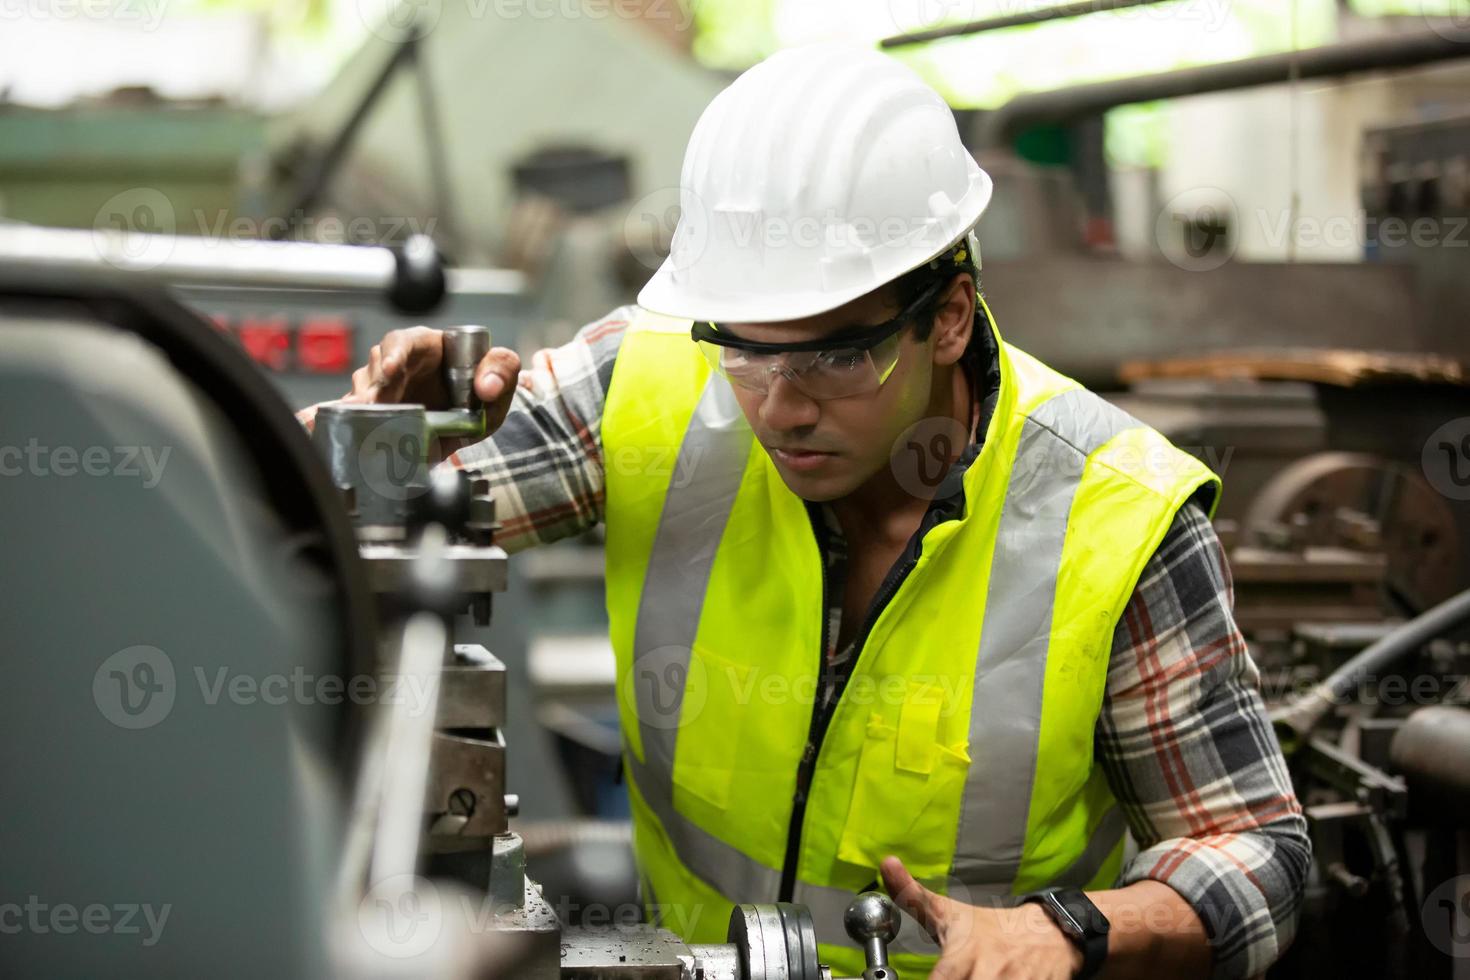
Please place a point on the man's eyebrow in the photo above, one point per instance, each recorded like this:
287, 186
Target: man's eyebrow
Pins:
721, 328
851, 330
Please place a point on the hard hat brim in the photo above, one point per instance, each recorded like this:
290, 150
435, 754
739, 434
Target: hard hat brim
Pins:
666, 294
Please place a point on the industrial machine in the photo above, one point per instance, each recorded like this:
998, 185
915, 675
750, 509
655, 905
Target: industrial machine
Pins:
254, 729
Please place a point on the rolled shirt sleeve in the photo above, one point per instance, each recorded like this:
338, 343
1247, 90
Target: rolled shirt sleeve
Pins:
545, 463
1193, 760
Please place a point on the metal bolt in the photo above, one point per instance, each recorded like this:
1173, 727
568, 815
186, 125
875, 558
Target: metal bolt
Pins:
462, 802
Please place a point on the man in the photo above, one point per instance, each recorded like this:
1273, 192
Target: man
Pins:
891, 600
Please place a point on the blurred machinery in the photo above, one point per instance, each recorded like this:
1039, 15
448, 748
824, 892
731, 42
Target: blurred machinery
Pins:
1333, 398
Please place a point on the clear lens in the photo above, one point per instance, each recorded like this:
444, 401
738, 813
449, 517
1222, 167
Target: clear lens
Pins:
741, 368
838, 373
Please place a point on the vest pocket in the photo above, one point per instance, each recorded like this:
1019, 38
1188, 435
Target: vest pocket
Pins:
906, 793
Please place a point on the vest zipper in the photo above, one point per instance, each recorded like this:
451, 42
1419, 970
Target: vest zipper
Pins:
805, 767
817, 730
939, 510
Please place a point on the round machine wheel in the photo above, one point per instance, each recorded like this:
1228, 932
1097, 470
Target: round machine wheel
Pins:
775, 942
1322, 501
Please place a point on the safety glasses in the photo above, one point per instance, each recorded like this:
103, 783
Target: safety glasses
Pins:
822, 369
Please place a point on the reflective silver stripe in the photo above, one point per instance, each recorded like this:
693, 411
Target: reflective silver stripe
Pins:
1107, 836
712, 457
1010, 671
1083, 420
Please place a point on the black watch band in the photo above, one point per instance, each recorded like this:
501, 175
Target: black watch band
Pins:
1080, 921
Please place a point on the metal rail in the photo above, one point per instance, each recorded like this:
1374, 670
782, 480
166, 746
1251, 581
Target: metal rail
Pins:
1059, 12
412, 278
1000, 127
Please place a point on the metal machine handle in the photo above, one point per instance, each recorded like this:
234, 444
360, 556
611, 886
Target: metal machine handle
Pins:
366, 445
872, 921
464, 346
465, 418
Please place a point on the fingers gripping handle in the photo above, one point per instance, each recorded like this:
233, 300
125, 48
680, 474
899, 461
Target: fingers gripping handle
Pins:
464, 348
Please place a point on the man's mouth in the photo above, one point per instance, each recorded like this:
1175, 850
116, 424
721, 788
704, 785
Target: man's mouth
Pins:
801, 460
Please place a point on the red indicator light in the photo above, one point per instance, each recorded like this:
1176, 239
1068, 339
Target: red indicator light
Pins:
324, 346
268, 342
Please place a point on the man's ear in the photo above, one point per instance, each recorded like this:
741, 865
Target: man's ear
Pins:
955, 320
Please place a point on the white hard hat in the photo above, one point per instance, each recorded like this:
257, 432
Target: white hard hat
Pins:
817, 176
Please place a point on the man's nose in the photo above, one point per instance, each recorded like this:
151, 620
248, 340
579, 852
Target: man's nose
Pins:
786, 407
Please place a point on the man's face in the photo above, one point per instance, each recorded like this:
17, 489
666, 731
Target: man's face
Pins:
826, 449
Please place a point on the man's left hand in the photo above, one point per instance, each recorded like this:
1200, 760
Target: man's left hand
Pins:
979, 943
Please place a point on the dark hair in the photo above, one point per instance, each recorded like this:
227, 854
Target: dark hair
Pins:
942, 268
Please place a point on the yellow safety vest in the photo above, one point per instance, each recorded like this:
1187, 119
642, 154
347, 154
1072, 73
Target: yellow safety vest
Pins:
963, 742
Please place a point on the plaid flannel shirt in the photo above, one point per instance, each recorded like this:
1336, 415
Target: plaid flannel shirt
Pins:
1182, 736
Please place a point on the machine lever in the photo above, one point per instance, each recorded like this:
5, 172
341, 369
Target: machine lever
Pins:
872, 921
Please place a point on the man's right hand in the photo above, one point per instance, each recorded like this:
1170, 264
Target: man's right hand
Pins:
404, 368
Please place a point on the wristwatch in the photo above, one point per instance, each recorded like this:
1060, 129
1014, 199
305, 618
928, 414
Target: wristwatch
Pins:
1080, 921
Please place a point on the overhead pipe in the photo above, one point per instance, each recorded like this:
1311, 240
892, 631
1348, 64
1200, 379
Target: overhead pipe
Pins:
1059, 12
1000, 128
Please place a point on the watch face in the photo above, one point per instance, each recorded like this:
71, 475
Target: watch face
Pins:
1064, 918
1084, 916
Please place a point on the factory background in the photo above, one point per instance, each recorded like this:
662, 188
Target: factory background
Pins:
1271, 265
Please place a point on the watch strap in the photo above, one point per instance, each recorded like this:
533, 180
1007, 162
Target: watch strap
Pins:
1094, 939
